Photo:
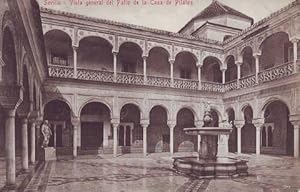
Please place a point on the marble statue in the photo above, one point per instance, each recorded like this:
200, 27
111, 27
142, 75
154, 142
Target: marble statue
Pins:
46, 131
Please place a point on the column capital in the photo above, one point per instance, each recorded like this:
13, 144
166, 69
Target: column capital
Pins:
75, 121
171, 124
115, 52
145, 123
258, 122
294, 40
199, 65
199, 123
144, 57
239, 63
239, 123
171, 61
75, 48
256, 55
24, 120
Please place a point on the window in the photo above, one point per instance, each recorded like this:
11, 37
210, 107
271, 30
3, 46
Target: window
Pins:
128, 67
59, 59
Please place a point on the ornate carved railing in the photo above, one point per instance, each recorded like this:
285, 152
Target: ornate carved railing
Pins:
130, 78
276, 72
158, 81
212, 86
61, 71
231, 85
95, 75
248, 81
186, 84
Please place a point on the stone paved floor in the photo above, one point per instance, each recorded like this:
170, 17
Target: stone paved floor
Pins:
155, 174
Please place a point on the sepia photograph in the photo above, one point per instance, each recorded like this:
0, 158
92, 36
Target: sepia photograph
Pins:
149, 95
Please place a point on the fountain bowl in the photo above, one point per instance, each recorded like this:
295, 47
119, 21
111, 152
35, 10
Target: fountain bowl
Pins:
221, 167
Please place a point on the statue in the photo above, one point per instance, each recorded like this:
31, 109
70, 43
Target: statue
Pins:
46, 131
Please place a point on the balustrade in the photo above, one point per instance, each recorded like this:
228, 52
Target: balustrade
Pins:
130, 78
158, 81
231, 85
248, 81
186, 84
138, 79
61, 71
95, 75
213, 87
276, 72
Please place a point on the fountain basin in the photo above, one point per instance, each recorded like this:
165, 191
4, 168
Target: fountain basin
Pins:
221, 167
207, 131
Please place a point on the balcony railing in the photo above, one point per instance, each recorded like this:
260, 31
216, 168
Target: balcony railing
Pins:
186, 84
61, 71
95, 75
159, 81
231, 85
213, 87
138, 79
276, 72
248, 81
130, 78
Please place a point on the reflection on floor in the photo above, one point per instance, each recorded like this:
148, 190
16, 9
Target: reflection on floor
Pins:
155, 173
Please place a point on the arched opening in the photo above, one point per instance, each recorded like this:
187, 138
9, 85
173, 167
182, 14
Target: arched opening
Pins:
158, 62
58, 48
95, 53
233, 135
248, 66
276, 50
210, 71
95, 128
248, 131
185, 66
277, 132
58, 113
183, 142
158, 131
130, 58
231, 72
9, 70
130, 135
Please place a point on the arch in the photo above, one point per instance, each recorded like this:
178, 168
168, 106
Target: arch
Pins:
162, 48
96, 100
162, 106
58, 46
97, 37
158, 62
220, 116
130, 42
188, 52
231, 72
211, 70
136, 104
130, 58
214, 58
276, 44
228, 111
248, 66
191, 108
185, 65
47, 32
57, 99
264, 39
271, 100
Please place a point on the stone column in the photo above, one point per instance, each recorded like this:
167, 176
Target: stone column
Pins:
10, 148
25, 144
115, 54
32, 142
239, 124
75, 60
172, 72
145, 126
256, 56
296, 140
199, 76
75, 123
258, 124
239, 64
223, 76
295, 49
145, 69
172, 127
115, 134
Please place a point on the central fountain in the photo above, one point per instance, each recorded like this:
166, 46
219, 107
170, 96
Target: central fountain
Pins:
208, 164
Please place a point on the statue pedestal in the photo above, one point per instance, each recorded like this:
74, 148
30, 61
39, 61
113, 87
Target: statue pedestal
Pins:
208, 147
49, 154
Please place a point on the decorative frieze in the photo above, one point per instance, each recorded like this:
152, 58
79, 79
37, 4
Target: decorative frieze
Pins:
186, 84
84, 33
61, 71
212, 87
130, 78
276, 72
159, 81
232, 85
248, 81
50, 27
95, 75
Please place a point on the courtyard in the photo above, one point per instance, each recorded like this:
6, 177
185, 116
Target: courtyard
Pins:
133, 172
